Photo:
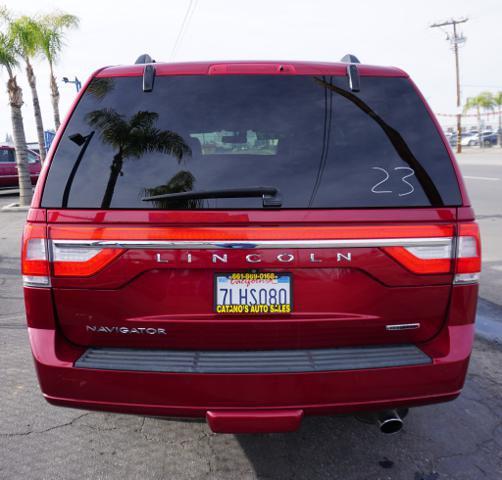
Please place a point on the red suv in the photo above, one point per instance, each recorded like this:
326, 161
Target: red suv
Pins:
250, 243
8, 169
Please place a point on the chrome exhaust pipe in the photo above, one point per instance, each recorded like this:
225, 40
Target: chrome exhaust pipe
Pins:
388, 421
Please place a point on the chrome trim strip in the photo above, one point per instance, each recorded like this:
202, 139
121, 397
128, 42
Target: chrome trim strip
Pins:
402, 326
252, 244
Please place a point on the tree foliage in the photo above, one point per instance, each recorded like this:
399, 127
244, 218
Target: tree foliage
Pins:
52, 29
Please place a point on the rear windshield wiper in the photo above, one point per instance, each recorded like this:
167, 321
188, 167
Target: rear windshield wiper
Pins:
271, 195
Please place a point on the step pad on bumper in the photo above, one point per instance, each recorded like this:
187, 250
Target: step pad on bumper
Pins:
256, 361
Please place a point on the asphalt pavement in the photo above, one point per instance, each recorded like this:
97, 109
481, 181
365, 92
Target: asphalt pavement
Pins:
482, 172
460, 440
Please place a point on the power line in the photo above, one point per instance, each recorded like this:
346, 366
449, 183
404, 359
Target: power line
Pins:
467, 85
192, 5
456, 40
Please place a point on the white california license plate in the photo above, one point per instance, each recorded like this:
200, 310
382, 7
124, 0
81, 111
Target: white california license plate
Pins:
253, 293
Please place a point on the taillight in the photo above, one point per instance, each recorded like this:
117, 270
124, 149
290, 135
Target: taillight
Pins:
68, 261
34, 256
441, 257
468, 255
40, 254
424, 259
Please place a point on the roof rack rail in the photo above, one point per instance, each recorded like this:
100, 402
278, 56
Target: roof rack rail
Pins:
144, 58
352, 72
148, 78
349, 58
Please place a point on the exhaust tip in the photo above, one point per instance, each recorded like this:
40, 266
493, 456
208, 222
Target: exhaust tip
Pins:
388, 421
390, 425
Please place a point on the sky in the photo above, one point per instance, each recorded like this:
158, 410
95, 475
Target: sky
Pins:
383, 32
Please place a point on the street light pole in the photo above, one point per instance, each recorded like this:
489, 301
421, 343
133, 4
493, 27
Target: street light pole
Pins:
456, 40
76, 82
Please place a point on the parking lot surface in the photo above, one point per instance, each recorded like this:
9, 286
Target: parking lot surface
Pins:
458, 440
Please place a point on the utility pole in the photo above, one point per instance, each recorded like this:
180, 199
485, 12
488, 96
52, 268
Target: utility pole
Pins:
456, 40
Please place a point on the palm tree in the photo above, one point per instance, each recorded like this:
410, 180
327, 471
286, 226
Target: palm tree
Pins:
183, 181
497, 100
473, 103
132, 138
486, 101
26, 33
483, 101
8, 60
52, 29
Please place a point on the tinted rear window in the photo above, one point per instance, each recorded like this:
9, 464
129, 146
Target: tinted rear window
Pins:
318, 143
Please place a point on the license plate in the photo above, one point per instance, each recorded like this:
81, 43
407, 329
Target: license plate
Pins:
253, 293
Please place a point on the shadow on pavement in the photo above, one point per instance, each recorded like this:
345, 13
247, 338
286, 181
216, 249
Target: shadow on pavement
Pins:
327, 447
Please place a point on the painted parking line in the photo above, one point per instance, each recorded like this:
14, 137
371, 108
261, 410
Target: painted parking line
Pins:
491, 179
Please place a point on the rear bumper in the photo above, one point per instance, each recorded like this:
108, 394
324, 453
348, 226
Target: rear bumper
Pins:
194, 394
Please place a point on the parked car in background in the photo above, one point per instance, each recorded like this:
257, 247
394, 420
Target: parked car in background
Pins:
490, 138
470, 140
452, 138
8, 169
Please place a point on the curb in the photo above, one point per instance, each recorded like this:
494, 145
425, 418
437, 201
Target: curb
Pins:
14, 207
6, 192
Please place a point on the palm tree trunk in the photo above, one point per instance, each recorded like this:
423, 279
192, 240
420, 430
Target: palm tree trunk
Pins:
115, 169
16, 101
36, 108
55, 98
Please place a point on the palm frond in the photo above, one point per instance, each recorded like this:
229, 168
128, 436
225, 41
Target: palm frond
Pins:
486, 100
52, 29
137, 136
470, 103
61, 20
100, 87
143, 120
8, 52
114, 129
182, 181
5, 15
26, 32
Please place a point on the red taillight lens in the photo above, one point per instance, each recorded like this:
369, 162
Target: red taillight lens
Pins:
468, 258
34, 258
439, 258
81, 262
72, 260
424, 259
66, 261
